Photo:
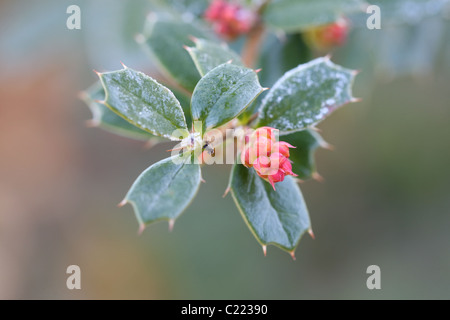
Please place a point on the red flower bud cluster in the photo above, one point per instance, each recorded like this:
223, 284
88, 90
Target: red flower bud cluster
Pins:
328, 36
269, 157
229, 19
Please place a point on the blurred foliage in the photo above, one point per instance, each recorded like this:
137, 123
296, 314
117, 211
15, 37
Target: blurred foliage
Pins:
413, 40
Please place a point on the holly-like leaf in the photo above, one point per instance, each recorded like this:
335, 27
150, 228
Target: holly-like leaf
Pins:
275, 217
208, 54
143, 102
164, 40
304, 96
223, 93
164, 190
298, 15
306, 143
105, 118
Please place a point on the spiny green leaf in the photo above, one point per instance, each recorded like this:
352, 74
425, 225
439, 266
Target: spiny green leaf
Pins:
144, 102
164, 40
306, 143
164, 190
304, 96
275, 217
223, 93
208, 54
297, 15
106, 119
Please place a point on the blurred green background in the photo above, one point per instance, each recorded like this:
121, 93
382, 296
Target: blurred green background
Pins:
385, 198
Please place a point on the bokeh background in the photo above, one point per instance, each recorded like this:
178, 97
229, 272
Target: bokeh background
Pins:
385, 198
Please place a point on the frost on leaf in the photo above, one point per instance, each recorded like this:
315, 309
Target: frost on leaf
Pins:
305, 95
142, 101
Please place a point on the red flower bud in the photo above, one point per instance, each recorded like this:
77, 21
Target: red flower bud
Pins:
248, 157
282, 147
277, 159
335, 34
266, 132
326, 37
263, 147
229, 20
286, 167
267, 156
229, 13
214, 10
245, 159
262, 165
277, 177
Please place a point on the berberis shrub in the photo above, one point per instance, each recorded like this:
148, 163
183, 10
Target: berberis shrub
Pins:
219, 112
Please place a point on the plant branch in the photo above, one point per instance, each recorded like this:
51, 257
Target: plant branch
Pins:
252, 45
254, 39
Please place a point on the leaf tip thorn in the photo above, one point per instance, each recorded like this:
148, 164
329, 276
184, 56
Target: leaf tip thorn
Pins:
141, 229
91, 123
171, 224
229, 61
316, 176
265, 89
264, 247
123, 65
326, 145
356, 100
311, 233
292, 253
150, 143
314, 128
175, 149
328, 57
122, 203
226, 192
82, 95
258, 70
187, 48
194, 39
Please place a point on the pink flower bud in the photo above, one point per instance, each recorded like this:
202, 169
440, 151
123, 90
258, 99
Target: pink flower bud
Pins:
286, 167
262, 176
269, 165
277, 177
221, 28
262, 166
266, 132
230, 12
263, 147
248, 157
282, 147
326, 37
335, 34
214, 10
277, 159
269, 158
229, 19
